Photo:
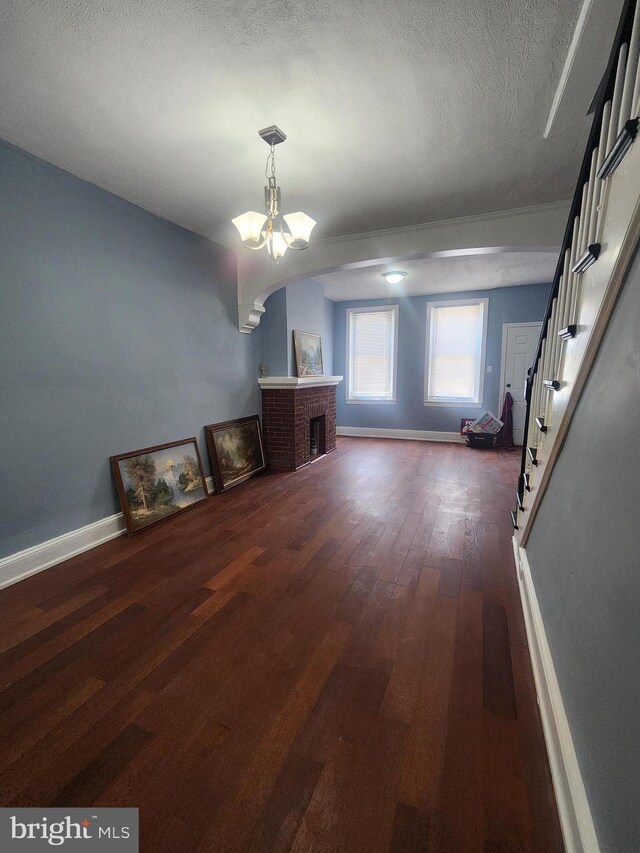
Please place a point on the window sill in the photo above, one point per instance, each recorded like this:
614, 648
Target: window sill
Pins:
371, 402
459, 404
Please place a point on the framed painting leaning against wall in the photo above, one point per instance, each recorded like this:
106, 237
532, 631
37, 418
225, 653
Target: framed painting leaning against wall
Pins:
158, 481
236, 452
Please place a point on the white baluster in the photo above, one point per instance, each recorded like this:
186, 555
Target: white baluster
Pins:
551, 338
617, 97
541, 370
576, 278
562, 293
583, 222
572, 276
635, 106
601, 198
530, 419
554, 367
563, 289
555, 340
551, 345
591, 213
630, 75
534, 432
553, 355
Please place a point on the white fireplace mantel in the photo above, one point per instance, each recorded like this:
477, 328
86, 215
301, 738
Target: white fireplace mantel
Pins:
296, 382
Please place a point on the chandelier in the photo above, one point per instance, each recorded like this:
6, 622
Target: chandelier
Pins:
275, 232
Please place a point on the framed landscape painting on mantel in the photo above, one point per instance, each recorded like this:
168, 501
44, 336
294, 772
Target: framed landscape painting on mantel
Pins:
236, 452
308, 350
158, 481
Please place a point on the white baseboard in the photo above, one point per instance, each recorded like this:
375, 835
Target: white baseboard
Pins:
408, 434
32, 560
17, 567
573, 807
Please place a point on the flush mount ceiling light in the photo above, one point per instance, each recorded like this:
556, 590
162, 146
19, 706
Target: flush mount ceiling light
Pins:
394, 276
257, 230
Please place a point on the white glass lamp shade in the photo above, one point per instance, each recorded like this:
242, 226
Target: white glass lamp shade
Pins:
276, 245
394, 276
300, 226
250, 225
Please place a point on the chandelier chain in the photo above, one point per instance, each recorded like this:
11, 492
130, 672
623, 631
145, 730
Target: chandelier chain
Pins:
272, 158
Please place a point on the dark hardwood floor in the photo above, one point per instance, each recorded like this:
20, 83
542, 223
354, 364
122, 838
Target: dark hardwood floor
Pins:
327, 660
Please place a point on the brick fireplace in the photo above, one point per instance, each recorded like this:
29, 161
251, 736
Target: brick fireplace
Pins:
295, 410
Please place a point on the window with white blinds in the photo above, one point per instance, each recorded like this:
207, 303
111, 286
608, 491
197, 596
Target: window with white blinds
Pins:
372, 344
455, 349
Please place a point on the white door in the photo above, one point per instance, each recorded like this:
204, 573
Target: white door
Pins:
519, 345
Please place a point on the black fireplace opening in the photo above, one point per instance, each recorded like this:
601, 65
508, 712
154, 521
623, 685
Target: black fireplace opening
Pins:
317, 437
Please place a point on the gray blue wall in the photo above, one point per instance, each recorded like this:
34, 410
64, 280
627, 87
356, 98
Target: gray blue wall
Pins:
270, 336
118, 330
306, 313
506, 305
300, 306
584, 553
327, 340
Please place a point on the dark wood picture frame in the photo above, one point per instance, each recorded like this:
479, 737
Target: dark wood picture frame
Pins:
123, 493
223, 476
298, 340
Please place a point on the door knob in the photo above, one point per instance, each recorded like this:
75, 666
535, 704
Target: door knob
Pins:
508, 385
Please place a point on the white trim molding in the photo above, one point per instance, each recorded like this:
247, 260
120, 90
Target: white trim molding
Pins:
286, 383
37, 558
406, 434
585, 61
578, 32
523, 229
573, 807
251, 316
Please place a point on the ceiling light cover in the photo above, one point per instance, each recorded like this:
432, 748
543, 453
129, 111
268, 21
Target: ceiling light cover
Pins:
394, 276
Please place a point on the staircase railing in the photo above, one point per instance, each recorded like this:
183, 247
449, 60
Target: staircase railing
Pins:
601, 234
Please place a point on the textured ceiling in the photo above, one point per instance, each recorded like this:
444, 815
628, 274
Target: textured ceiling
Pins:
397, 112
443, 275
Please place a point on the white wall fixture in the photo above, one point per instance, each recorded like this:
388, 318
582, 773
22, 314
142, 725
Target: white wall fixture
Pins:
258, 231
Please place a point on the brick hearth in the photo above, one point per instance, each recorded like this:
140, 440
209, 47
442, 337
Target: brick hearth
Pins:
286, 413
